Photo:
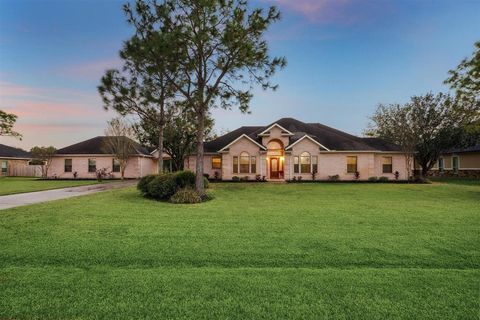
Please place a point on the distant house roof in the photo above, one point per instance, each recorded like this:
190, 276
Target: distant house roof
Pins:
11, 152
332, 139
97, 146
475, 148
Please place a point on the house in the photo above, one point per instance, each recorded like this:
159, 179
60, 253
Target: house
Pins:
83, 159
15, 162
463, 162
290, 149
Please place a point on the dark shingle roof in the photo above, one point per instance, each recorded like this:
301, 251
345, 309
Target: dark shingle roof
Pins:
11, 152
331, 138
97, 146
475, 148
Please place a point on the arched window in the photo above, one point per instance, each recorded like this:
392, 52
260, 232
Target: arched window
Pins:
244, 162
305, 162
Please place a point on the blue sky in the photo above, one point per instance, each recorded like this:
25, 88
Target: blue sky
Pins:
344, 57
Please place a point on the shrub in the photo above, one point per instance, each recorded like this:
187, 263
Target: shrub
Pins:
334, 178
383, 179
314, 175
206, 175
235, 178
186, 195
184, 179
373, 179
216, 176
397, 174
299, 178
162, 187
357, 175
206, 183
142, 185
258, 177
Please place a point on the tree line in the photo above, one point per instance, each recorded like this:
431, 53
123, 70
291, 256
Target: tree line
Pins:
430, 124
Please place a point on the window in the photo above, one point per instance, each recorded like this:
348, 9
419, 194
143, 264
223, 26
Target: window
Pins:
351, 164
295, 165
305, 162
4, 167
92, 165
455, 164
217, 162
235, 164
244, 162
387, 164
68, 165
253, 165
314, 164
115, 165
441, 165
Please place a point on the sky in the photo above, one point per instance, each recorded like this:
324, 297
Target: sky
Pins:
344, 58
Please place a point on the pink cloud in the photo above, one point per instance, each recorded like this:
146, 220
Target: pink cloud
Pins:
332, 11
90, 70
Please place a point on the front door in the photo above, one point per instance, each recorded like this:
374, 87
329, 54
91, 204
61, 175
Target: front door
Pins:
275, 169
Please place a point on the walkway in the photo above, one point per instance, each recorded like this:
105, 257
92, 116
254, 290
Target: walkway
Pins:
23, 199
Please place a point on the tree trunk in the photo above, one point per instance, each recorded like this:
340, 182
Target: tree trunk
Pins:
160, 148
199, 187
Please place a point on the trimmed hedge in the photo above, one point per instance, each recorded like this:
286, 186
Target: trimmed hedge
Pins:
164, 186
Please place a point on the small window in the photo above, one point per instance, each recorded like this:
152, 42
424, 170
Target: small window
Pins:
115, 165
217, 162
4, 166
235, 164
295, 165
305, 163
68, 165
351, 164
387, 165
253, 165
92, 165
455, 164
314, 164
244, 162
441, 164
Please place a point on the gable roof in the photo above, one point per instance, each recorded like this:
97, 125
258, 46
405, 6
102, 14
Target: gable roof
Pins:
326, 137
97, 146
246, 137
11, 152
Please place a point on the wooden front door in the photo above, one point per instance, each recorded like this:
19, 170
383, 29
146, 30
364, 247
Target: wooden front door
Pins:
276, 170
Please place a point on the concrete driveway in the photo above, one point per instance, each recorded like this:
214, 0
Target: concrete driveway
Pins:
23, 199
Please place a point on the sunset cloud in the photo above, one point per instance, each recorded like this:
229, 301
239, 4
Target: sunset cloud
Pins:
332, 11
92, 70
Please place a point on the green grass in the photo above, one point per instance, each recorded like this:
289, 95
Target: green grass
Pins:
305, 251
12, 185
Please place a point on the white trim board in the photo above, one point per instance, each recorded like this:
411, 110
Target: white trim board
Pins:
311, 139
263, 133
242, 136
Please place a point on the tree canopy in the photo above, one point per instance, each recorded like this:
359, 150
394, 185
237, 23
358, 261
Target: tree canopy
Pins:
465, 79
7, 122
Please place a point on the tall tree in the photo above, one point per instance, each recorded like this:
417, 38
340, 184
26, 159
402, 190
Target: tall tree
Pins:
392, 123
143, 88
119, 142
7, 121
217, 51
465, 79
427, 125
45, 156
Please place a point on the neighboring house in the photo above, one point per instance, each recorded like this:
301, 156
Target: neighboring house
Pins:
464, 162
83, 159
288, 149
14, 162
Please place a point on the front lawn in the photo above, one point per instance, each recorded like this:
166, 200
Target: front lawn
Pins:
305, 251
12, 185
